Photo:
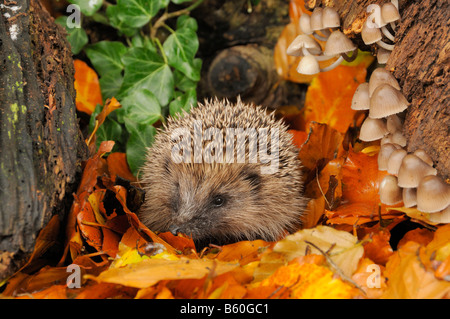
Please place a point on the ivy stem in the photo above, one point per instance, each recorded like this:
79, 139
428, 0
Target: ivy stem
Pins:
161, 21
158, 43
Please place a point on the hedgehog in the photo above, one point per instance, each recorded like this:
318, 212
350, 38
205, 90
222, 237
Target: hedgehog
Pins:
222, 173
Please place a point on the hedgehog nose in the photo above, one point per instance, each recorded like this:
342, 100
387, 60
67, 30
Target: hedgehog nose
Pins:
174, 229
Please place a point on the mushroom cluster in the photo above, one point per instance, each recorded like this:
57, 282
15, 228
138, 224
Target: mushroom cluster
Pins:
376, 26
413, 179
323, 25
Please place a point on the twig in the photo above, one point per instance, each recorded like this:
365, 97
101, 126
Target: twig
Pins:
338, 270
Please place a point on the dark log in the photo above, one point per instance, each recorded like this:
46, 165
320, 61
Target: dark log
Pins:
420, 62
236, 46
41, 147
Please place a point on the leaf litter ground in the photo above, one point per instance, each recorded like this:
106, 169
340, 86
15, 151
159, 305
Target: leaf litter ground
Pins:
344, 251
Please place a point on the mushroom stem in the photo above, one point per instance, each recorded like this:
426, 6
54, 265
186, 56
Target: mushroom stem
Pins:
387, 33
318, 57
350, 58
386, 46
332, 66
319, 37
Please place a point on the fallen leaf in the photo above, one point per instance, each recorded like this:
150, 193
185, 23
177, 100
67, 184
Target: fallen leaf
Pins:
148, 272
342, 247
87, 87
409, 279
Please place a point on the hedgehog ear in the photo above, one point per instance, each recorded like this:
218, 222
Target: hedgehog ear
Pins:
252, 177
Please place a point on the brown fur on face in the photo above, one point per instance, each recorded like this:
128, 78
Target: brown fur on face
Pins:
222, 202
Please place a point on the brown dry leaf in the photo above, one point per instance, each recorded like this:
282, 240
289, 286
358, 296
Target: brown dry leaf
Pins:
148, 272
321, 146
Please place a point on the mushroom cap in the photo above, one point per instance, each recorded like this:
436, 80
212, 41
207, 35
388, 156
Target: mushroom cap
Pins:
383, 55
412, 170
420, 153
395, 160
303, 41
383, 155
370, 35
433, 194
372, 130
385, 101
361, 100
394, 123
330, 18
390, 193
389, 12
316, 19
308, 65
305, 23
442, 217
338, 43
409, 197
381, 76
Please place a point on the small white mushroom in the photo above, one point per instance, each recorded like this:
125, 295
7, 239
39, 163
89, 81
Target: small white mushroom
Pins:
433, 195
372, 130
390, 193
385, 101
361, 100
411, 172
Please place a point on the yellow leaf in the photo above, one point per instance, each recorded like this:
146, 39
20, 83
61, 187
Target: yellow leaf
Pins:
307, 281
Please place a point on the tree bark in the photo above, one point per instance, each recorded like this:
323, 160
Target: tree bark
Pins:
420, 62
41, 146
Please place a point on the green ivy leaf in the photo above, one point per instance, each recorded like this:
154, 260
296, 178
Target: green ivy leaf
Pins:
114, 19
180, 48
179, 1
88, 7
142, 107
141, 137
145, 69
110, 84
183, 102
137, 13
106, 56
77, 37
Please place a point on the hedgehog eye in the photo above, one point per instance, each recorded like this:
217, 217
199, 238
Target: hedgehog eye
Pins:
218, 201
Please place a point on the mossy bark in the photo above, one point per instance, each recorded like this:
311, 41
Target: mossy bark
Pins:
41, 147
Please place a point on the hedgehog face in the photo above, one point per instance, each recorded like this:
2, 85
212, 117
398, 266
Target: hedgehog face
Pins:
201, 207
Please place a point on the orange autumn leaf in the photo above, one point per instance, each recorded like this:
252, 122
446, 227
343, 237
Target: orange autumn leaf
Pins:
87, 87
329, 97
298, 137
243, 252
321, 146
118, 166
378, 249
408, 278
361, 179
